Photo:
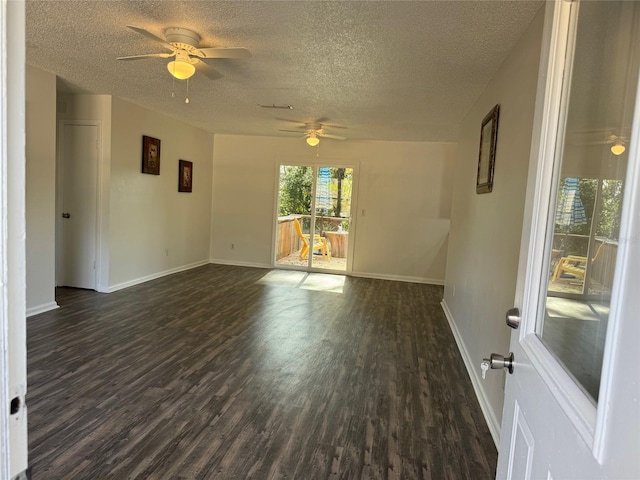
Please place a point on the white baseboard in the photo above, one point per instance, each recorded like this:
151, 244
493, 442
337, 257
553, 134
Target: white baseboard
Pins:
218, 261
398, 278
472, 370
31, 311
378, 276
137, 281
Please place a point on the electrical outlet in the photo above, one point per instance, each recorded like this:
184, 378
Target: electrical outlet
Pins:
166, 252
233, 246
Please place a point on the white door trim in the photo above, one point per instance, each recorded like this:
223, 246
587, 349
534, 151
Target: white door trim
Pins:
99, 199
13, 356
4, 291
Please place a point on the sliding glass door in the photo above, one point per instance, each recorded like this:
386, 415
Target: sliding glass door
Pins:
314, 198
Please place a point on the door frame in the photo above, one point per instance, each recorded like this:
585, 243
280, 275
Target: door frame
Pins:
315, 164
4, 244
13, 348
589, 420
60, 193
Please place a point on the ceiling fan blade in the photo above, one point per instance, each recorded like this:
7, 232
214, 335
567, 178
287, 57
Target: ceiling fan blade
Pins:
299, 123
323, 121
150, 35
328, 135
207, 70
293, 131
224, 52
149, 55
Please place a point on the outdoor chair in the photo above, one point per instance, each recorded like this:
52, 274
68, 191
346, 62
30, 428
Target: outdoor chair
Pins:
319, 243
575, 265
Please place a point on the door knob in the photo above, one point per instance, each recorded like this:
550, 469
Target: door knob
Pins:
496, 361
66, 215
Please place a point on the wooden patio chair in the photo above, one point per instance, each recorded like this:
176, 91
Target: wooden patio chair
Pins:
319, 243
575, 265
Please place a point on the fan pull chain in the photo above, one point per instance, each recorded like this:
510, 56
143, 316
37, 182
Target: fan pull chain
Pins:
186, 100
173, 84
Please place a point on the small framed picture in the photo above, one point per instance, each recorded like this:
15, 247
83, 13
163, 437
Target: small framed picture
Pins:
487, 155
185, 176
150, 155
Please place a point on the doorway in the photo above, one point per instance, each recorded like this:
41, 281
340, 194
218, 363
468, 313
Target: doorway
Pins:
318, 199
77, 211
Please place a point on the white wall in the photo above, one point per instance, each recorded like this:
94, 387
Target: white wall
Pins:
40, 189
486, 229
148, 216
404, 188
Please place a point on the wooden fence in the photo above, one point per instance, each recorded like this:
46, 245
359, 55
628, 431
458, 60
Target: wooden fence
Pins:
603, 268
287, 240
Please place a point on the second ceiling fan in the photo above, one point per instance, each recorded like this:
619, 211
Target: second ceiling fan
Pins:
313, 132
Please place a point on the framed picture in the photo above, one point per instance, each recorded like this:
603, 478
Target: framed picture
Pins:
150, 155
185, 176
487, 155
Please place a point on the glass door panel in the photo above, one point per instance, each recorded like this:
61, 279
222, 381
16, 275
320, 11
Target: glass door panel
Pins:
295, 187
334, 187
582, 236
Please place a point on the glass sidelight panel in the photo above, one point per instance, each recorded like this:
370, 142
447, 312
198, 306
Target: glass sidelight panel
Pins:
334, 187
582, 236
294, 215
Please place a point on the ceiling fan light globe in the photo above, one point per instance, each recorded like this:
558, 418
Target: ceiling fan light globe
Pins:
181, 70
618, 148
313, 141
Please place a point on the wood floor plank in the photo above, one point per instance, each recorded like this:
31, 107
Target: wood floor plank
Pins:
232, 372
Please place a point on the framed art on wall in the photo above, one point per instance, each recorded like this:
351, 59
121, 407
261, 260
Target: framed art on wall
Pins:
150, 155
487, 154
185, 176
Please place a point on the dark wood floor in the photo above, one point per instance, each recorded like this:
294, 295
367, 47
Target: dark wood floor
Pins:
221, 372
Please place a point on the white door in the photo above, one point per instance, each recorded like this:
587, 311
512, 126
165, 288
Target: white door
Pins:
572, 403
78, 216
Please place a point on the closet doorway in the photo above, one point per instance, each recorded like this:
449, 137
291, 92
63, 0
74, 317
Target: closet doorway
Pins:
77, 219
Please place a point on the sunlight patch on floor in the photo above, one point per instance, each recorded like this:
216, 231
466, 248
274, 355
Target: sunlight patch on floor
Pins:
321, 282
283, 278
567, 308
324, 282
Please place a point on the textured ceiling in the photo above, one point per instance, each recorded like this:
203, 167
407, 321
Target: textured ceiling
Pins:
394, 70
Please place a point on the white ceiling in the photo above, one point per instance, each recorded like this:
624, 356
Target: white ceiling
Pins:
387, 70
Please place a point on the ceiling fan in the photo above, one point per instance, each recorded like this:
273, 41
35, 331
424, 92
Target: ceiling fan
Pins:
184, 46
617, 143
314, 130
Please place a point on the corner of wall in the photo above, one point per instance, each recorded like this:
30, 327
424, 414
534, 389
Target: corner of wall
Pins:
40, 194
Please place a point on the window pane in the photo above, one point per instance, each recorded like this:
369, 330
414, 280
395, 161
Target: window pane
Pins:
294, 215
333, 217
584, 240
